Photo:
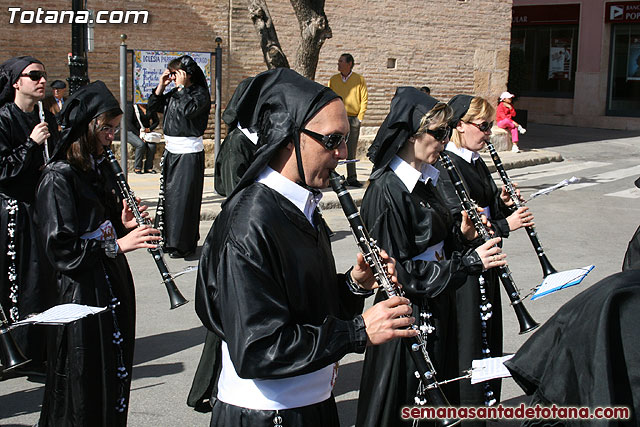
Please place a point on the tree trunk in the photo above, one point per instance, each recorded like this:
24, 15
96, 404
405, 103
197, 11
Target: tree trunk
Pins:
274, 57
314, 30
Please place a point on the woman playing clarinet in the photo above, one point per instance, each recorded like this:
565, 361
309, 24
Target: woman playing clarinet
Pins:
403, 211
479, 308
86, 231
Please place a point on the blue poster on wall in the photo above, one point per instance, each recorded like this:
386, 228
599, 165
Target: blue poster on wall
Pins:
148, 66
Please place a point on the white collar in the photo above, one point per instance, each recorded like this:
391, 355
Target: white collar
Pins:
410, 176
253, 136
344, 79
304, 199
468, 155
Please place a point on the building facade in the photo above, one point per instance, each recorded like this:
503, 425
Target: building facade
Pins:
452, 46
577, 62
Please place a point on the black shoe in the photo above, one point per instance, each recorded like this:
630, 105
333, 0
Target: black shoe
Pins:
138, 172
150, 171
180, 254
354, 183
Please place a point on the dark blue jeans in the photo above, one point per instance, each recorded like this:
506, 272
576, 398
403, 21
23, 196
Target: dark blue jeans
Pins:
142, 149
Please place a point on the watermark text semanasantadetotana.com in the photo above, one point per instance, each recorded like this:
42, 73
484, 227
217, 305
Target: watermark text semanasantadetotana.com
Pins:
521, 412
18, 15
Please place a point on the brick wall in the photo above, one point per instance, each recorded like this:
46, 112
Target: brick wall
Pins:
452, 46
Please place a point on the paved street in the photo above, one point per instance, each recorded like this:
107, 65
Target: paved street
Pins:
586, 223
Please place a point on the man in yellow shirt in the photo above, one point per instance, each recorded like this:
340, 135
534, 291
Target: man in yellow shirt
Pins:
352, 89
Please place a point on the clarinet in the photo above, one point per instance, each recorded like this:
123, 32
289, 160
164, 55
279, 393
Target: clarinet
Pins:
159, 222
45, 153
10, 354
525, 320
175, 297
547, 268
368, 247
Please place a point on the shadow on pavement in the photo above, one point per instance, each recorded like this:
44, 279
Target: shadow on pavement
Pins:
157, 346
157, 370
21, 402
547, 136
339, 235
348, 381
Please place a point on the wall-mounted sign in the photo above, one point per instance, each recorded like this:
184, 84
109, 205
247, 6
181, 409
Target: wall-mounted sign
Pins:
622, 12
553, 14
148, 66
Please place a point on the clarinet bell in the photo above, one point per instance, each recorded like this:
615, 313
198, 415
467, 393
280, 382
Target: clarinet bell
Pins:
526, 322
12, 357
437, 399
175, 297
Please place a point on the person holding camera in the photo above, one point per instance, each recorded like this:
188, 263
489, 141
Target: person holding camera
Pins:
139, 134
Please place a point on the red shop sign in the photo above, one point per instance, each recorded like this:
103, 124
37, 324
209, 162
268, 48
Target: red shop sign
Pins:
622, 12
554, 14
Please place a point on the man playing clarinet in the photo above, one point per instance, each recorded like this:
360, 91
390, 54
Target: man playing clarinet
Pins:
24, 140
267, 282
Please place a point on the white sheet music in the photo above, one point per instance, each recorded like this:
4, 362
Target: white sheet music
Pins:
61, 314
188, 269
489, 369
564, 279
548, 190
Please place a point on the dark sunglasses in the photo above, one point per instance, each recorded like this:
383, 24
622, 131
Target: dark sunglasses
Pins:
330, 142
35, 75
484, 126
441, 133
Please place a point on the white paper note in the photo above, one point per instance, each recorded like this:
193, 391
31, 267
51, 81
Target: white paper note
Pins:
564, 279
489, 369
548, 190
61, 314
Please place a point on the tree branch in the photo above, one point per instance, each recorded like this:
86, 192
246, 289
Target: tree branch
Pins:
314, 30
272, 51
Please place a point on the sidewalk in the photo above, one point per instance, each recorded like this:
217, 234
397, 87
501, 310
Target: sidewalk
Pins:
146, 186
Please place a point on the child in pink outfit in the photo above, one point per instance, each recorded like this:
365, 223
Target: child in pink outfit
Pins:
504, 119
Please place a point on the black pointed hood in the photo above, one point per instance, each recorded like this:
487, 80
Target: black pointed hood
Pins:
408, 107
276, 104
10, 71
84, 105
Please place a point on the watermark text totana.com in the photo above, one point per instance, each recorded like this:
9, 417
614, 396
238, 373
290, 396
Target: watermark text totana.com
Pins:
521, 412
19, 15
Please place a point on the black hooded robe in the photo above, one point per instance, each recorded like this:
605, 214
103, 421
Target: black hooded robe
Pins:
267, 283
587, 353
236, 151
405, 224
186, 113
82, 386
483, 190
632, 256
268, 286
21, 160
